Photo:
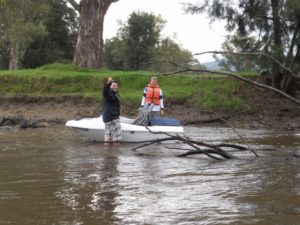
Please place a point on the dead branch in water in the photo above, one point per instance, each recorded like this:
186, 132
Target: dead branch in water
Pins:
232, 127
217, 152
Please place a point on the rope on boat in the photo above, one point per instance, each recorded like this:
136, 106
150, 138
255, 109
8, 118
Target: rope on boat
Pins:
144, 115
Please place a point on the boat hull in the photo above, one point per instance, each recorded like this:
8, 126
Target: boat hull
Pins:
93, 129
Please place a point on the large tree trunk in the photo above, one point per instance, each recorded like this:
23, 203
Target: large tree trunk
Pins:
296, 63
296, 68
288, 82
89, 47
277, 49
15, 56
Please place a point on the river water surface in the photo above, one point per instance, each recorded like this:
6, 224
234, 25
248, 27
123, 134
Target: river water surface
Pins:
53, 176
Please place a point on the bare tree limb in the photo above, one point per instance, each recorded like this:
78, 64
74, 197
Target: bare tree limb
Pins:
184, 140
234, 130
281, 93
215, 72
210, 151
213, 149
153, 142
254, 53
75, 5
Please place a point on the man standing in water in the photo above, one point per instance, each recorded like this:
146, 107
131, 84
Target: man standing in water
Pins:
111, 112
153, 95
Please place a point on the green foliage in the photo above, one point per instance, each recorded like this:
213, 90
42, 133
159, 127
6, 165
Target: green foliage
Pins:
4, 52
59, 44
139, 42
114, 53
238, 43
21, 23
274, 24
59, 79
168, 50
141, 34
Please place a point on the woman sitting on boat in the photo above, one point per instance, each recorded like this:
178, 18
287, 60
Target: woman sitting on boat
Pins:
153, 96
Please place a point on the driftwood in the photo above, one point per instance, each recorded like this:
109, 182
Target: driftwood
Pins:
232, 127
296, 153
217, 152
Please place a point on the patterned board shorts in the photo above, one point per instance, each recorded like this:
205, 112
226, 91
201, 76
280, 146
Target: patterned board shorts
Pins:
113, 131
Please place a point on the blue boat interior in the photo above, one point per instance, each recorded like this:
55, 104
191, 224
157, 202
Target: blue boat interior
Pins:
164, 121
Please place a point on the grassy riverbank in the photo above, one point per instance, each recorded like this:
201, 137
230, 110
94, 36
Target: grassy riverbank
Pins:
60, 92
207, 92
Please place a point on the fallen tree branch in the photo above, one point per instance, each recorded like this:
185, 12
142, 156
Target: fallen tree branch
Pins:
199, 150
153, 142
216, 72
232, 127
75, 5
210, 150
253, 53
277, 91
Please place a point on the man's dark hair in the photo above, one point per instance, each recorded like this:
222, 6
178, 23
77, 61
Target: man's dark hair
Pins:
115, 81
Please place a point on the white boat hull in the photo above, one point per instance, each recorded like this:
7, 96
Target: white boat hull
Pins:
93, 129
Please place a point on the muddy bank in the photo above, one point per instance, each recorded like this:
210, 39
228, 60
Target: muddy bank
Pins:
266, 110
58, 109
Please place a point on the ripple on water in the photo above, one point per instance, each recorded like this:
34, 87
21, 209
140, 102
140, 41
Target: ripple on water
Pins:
66, 180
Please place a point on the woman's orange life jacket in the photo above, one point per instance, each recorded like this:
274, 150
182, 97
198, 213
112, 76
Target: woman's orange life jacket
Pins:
152, 95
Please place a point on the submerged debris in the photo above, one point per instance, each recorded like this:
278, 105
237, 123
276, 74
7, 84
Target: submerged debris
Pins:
21, 122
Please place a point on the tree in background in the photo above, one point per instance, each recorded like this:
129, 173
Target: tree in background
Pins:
89, 46
237, 43
275, 23
4, 48
141, 34
21, 23
114, 54
59, 44
139, 42
169, 50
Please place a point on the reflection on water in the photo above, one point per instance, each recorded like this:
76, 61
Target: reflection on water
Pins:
54, 176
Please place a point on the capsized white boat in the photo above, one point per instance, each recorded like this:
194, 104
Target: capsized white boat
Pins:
93, 129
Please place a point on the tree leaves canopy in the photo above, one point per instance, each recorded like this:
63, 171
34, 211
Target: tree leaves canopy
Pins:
58, 46
141, 34
140, 42
257, 18
37, 32
274, 23
21, 22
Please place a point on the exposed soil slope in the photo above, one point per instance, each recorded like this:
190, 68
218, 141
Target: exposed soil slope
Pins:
266, 110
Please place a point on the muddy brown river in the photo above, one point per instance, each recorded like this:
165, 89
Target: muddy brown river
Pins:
54, 176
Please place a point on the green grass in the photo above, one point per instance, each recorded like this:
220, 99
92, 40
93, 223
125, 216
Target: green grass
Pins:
209, 92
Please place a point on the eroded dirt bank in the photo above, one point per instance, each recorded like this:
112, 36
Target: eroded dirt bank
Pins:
267, 110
